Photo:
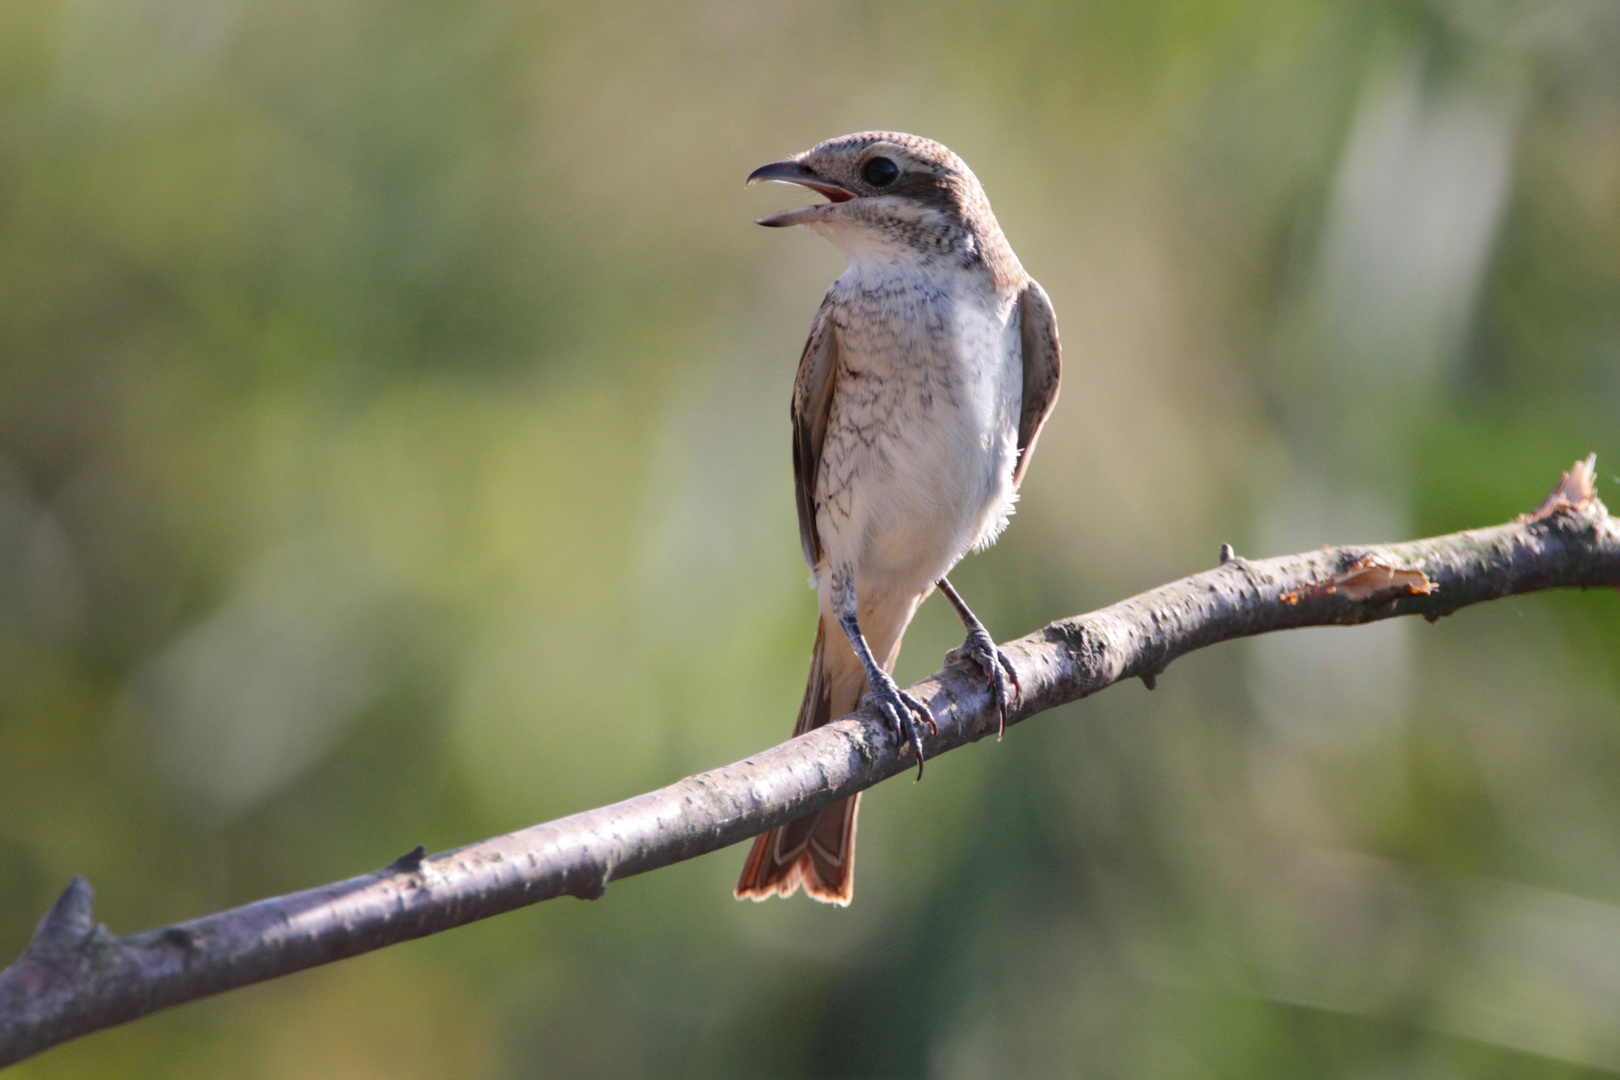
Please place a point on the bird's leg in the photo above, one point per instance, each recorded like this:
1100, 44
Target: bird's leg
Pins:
980, 647
895, 704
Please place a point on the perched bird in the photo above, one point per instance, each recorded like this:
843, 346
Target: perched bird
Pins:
930, 368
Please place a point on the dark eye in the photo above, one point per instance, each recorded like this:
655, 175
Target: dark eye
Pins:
880, 172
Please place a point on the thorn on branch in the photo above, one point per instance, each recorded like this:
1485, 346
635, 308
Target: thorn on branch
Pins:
410, 862
1227, 554
1151, 679
68, 923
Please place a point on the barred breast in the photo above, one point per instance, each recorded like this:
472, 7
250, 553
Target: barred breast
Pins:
922, 435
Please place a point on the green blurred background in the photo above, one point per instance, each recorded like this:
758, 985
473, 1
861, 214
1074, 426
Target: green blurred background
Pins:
394, 450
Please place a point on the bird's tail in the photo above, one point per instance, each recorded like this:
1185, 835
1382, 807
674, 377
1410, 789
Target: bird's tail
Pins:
817, 850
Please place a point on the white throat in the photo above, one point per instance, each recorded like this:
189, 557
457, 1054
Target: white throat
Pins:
873, 250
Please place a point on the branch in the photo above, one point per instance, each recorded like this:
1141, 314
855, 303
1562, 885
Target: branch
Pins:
76, 977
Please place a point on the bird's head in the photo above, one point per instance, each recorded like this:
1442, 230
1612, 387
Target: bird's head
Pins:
890, 192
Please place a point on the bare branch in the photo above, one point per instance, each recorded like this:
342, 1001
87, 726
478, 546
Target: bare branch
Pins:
76, 977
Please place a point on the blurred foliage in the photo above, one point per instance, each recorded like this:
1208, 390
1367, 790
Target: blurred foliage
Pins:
393, 450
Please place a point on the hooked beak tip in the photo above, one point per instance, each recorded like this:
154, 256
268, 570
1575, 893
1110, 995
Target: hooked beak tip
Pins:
793, 172
787, 172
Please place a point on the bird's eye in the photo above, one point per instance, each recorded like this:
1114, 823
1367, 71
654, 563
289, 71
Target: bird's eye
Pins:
880, 172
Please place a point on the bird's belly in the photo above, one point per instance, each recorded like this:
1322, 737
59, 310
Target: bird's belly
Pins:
922, 448
940, 484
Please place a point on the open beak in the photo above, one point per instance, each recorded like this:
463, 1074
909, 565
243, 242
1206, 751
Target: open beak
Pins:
792, 172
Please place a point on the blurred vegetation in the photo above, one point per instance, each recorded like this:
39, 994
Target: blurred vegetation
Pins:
393, 450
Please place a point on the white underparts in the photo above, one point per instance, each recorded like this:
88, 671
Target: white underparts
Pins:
917, 462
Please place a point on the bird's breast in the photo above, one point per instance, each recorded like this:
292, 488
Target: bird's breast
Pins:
945, 350
925, 415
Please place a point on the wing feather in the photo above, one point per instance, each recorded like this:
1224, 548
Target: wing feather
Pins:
1043, 369
812, 401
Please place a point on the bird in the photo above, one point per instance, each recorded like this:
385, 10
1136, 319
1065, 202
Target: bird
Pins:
930, 368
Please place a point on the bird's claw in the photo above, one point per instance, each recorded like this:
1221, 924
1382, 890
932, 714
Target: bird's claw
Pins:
898, 707
998, 671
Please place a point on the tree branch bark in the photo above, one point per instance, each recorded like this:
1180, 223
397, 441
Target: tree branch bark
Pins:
76, 977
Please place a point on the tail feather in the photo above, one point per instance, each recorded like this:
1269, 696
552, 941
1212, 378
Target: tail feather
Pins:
816, 851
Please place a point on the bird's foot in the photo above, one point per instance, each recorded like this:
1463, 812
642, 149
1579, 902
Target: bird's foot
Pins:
998, 671
902, 711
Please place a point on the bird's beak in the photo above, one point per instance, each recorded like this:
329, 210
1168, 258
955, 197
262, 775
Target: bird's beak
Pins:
793, 172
